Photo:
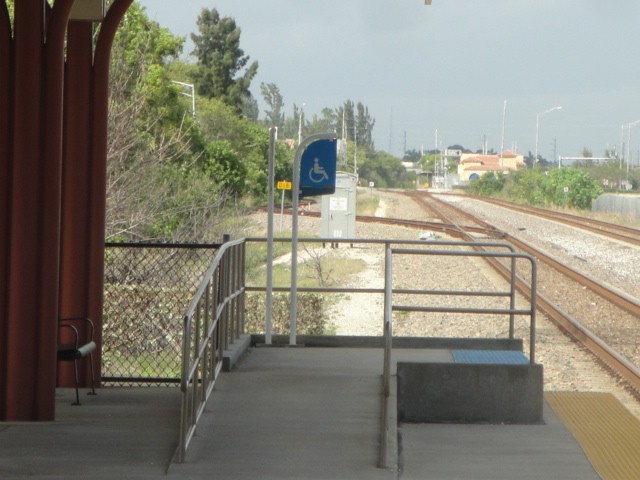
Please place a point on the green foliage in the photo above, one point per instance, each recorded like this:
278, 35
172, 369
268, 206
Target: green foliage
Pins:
354, 123
223, 71
488, 184
250, 142
367, 203
611, 174
275, 103
385, 170
222, 164
411, 156
429, 160
525, 186
565, 187
570, 187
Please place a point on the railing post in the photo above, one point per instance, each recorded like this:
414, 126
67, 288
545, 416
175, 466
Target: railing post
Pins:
388, 343
512, 302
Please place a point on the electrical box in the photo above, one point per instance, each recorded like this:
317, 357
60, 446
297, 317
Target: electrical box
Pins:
339, 209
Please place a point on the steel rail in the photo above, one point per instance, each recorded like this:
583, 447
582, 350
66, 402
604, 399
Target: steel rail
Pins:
611, 230
605, 354
619, 299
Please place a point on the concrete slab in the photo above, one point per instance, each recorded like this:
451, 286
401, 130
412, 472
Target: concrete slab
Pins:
118, 433
492, 452
303, 413
293, 413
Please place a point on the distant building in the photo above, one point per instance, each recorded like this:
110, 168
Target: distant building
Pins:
474, 165
453, 152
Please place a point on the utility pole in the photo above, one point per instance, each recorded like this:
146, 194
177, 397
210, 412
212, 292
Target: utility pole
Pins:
404, 147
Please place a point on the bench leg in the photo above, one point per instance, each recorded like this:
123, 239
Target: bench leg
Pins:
75, 369
93, 382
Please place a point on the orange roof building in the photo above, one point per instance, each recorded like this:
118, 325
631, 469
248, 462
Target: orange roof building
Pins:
474, 165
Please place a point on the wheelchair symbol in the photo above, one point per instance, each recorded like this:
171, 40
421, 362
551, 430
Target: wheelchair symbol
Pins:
317, 173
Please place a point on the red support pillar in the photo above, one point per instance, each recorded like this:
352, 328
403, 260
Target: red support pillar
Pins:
6, 60
76, 191
31, 159
98, 181
27, 394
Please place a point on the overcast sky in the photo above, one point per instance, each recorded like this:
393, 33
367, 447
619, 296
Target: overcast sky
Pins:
448, 67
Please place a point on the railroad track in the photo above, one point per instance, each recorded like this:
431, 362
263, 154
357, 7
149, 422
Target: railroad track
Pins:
461, 224
622, 233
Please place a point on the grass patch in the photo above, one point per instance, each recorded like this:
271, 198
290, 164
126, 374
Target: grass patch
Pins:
320, 269
367, 204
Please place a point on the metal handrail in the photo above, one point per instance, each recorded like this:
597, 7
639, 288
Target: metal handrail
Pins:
214, 319
216, 316
389, 308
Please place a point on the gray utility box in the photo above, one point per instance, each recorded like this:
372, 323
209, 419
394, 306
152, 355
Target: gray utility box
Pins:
339, 209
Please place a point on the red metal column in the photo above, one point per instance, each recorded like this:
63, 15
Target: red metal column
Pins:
100, 111
49, 180
31, 125
76, 191
6, 58
28, 395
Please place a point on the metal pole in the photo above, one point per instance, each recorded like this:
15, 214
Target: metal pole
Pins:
535, 155
504, 114
273, 137
538, 117
281, 209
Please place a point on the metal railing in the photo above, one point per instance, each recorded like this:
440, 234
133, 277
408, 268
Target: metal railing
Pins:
214, 319
149, 281
512, 311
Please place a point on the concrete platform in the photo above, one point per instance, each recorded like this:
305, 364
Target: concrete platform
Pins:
303, 413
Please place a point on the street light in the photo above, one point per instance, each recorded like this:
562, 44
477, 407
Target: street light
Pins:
538, 117
300, 124
192, 95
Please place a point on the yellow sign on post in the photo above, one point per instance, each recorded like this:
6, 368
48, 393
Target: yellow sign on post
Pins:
284, 185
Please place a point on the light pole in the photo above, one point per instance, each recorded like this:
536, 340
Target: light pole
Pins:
538, 117
192, 95
504, 115
300, 124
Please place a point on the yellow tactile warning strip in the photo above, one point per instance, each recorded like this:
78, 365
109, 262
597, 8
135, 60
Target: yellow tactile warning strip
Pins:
607, 432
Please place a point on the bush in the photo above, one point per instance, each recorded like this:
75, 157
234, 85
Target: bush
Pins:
311, 320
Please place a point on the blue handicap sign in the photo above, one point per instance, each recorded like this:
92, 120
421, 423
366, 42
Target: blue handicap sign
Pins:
318, 168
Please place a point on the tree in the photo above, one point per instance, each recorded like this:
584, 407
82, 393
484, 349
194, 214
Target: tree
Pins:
275, 105
223, 70
355, 124
524, 186
570, 187
385, 170
324, 123
488, 184
412, 156
365, 124
164, 182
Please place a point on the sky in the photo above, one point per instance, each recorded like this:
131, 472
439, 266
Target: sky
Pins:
464, 72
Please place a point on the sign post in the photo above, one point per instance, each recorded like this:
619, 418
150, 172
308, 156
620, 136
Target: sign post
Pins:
314, 173
273, 138
283, 185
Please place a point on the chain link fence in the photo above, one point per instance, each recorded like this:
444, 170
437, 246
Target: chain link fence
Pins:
148, 288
